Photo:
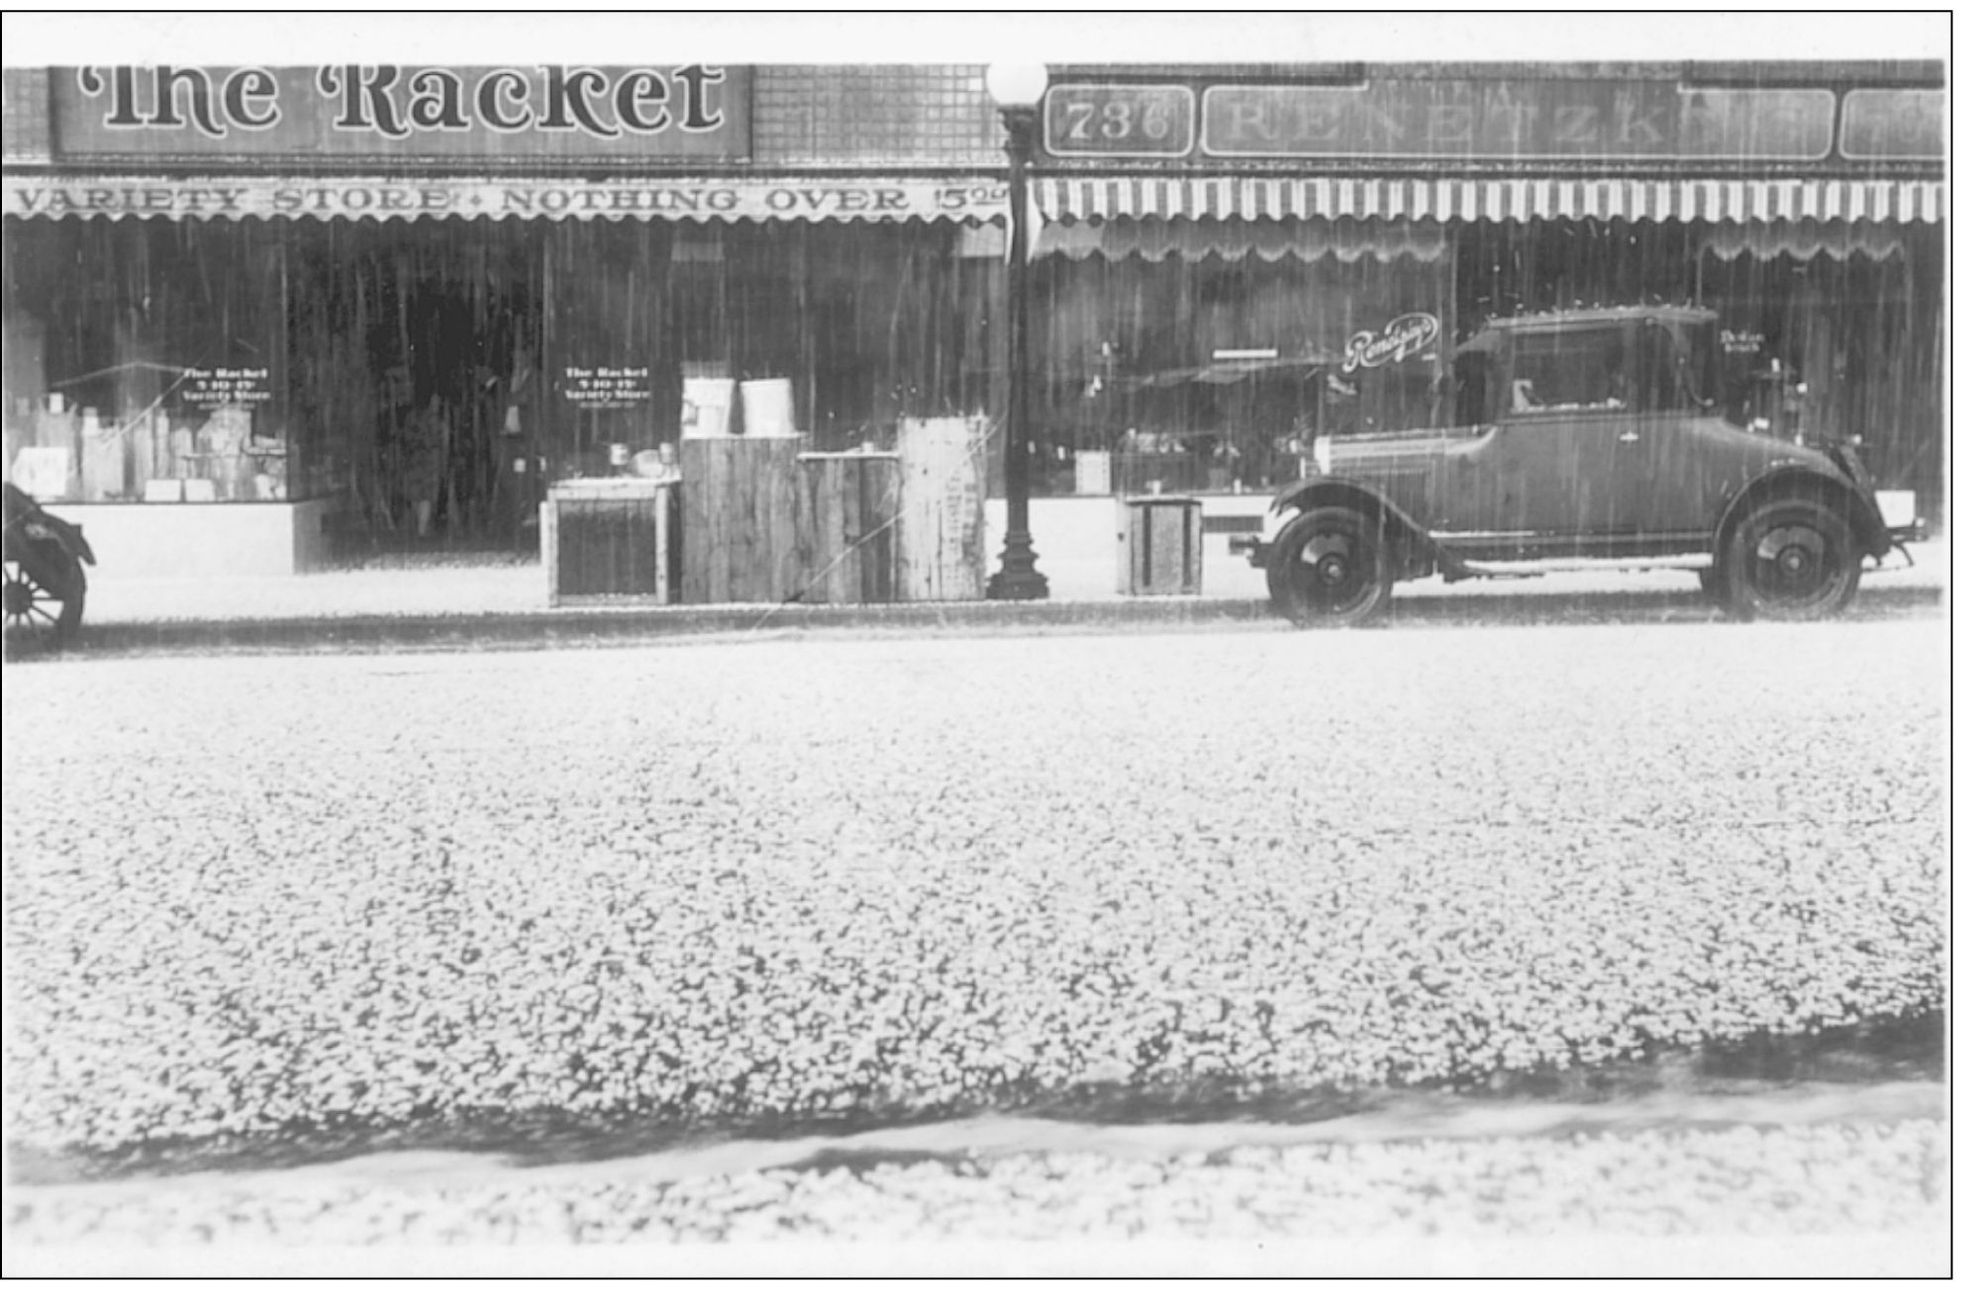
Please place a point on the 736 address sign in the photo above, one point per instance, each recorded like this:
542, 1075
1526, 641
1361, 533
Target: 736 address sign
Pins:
1119, 121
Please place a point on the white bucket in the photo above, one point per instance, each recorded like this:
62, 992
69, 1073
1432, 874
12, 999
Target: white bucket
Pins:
707, 406
768, 408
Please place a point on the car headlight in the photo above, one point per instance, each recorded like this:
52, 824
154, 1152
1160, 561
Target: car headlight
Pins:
1322, 454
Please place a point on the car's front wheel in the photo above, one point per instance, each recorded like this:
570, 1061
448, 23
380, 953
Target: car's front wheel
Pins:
42, 610
1330, 568
1792, 558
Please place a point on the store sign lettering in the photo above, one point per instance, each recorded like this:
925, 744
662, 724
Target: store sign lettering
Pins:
1467, 120
1895, 125
360, 110
601, 104
245, 197
213, 387
123, 201
607, 387
1119, 120
1404, 336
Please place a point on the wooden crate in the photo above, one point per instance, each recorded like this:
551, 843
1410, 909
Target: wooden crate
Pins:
1160, 546
611, 540
738, 512
847, 508
941, 489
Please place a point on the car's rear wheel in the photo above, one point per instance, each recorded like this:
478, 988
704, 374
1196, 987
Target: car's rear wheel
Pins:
1792, 558
1330, 568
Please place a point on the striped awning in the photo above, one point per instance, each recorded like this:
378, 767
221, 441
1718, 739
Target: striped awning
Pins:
1709, 200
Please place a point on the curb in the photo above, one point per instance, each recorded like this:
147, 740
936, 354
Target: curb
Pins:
579, 628
554, 628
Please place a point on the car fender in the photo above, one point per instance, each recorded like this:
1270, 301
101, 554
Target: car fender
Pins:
33, 523
1417, 549
1857, 507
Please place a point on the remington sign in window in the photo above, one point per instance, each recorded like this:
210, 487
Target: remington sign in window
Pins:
653, 114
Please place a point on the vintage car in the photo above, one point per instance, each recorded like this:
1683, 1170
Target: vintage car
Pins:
1579, 440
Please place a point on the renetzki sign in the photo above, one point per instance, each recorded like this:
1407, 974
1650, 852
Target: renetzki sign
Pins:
383, 112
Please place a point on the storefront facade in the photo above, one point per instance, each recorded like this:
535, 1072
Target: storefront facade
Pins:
252, 313
398, 303
1240, 260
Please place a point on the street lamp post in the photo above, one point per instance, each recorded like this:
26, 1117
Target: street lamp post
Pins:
1016, 91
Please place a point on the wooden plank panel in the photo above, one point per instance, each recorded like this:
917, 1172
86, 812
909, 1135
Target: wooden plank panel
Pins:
740, 507
812, 555
546, 512
940, 538
1125, 544
696, 521
831, 566
663, 508
846, 527
775, 462
879, 509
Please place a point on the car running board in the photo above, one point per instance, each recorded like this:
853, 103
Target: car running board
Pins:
1572, 564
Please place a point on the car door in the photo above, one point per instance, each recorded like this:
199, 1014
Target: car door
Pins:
1676, 498
1562, 468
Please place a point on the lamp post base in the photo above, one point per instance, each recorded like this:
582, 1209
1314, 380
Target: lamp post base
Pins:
1018, 579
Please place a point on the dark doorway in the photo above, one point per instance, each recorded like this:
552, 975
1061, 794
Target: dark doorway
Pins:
416, 346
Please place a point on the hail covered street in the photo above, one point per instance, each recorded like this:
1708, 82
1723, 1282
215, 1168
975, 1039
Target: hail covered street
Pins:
744, 889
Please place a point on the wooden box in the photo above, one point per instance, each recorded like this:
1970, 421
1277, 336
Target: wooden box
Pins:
738, 510
1160, 546
848, 506
611, 540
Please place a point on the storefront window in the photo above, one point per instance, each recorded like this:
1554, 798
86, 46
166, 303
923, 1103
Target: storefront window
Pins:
1217, 373
831, 332
147, 362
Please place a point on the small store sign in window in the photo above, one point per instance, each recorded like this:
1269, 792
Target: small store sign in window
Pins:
1403, 337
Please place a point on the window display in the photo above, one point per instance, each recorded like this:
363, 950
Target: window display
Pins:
1200, 365
147, 364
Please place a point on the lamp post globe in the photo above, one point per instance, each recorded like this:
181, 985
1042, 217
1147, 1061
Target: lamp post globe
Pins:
1016, 89
1016, 85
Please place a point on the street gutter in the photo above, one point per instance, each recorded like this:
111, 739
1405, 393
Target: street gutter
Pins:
582, 628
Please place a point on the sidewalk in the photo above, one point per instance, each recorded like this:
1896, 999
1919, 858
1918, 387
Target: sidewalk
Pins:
442, 600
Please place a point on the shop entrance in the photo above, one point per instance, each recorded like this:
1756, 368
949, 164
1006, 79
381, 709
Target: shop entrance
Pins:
415, 347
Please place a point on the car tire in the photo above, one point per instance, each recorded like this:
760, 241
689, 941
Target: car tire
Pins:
1330, 567
1791, 559
39, 612
1715, 588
